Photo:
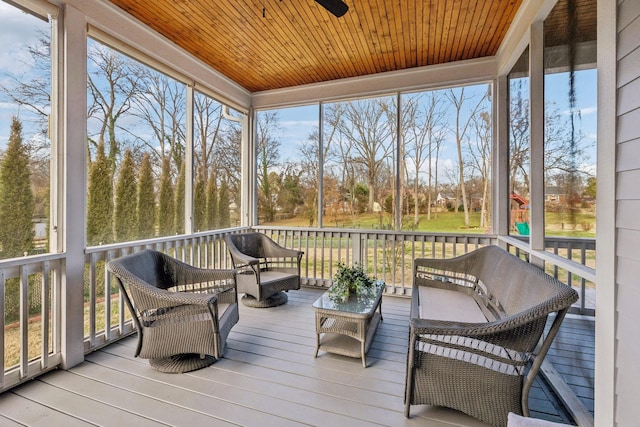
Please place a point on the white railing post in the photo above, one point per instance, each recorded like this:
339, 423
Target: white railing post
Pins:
356, 248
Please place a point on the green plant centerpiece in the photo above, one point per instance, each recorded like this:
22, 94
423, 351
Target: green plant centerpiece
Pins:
350, 280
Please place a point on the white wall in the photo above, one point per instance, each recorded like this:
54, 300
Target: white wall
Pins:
627, 199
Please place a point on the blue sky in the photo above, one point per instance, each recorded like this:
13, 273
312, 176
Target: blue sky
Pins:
18, 31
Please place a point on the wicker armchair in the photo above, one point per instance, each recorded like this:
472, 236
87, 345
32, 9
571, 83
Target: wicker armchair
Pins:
265, 269
475, 322
183, 314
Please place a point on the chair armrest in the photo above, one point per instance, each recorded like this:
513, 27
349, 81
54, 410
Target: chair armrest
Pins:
166, 298
519, 332
447, 327
241, 259
186, 274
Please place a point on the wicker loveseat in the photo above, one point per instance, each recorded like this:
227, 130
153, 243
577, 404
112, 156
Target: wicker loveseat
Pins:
183, 314
475, 322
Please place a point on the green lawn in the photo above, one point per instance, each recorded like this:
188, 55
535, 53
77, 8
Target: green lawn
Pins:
557, 224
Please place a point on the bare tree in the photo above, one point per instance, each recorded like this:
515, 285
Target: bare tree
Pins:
423, 133
268, 156
365, 126
339, 170
462, 124
227, 158
480, 158
519, 144
310, 175
161, 104
114, 81
559, 155
208, 124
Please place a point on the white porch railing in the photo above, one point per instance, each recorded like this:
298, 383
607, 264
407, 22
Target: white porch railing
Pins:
31, 291
388, 255
30, 302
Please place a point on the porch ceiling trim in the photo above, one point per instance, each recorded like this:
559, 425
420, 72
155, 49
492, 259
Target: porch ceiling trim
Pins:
422, 78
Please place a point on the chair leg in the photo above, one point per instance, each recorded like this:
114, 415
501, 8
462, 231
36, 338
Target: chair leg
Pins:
408, 390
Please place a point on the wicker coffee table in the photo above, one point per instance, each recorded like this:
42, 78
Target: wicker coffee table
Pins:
347, 328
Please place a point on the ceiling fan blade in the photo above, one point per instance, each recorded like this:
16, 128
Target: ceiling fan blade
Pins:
337, 7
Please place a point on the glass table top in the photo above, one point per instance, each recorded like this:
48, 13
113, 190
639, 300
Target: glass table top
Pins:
357, 303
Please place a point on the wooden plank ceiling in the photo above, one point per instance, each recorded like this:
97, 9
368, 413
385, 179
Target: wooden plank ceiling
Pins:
272, 44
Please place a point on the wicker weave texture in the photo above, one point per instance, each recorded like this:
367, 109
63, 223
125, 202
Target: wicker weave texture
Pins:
482, 369
264, 267
178, 309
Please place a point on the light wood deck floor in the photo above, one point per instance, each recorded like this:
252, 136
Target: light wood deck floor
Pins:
268, 377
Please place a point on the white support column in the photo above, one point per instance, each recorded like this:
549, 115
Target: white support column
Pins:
188, 167
249, 206
399, 172
72, 154
607, 288
536, 174
500, 157
320, 163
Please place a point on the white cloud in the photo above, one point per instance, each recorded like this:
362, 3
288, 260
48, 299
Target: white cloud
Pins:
291, 123
293, 133
18, 31
7, 106
589, 169
445, 168
585, 111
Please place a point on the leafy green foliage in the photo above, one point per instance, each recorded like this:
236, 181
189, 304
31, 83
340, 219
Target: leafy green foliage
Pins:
290, 194
146, 200
212, 203
224, 218
349, 280
16, 197
126, 221
166, 215
200, 205
590, 190
179, 207
100, 200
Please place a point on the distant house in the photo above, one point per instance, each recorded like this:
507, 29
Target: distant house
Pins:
554, 194
442, 200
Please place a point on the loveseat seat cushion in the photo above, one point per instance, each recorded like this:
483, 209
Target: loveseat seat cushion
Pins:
442, 304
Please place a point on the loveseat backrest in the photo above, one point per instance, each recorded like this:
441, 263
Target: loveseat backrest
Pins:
516, 285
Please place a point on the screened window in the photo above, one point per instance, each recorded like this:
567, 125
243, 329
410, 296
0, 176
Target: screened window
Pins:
519, 146
25, 144
287, 166
136, 135
217, 159
359, 142
25, 204
436, 178
446, 168
570, 123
